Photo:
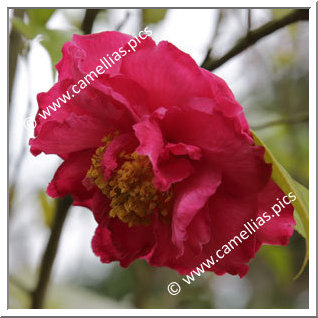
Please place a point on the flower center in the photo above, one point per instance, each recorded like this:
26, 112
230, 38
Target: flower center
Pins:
133, 196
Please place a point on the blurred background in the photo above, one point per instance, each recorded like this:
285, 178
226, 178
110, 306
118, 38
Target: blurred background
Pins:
270, 80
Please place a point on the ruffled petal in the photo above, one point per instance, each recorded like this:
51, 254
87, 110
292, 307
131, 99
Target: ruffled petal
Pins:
234, 153
190, 197
169, 170
82, 55
74, 133
126, 92
69, 176
170, 76
103, 246
126, 142
226, 218
181, 149
113, 241
279, 229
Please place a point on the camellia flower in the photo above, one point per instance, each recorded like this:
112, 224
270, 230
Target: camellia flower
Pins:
159, 149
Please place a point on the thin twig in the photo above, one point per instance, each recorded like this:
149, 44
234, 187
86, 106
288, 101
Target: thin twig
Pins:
291, 120
249, 20
38, 295
214, 36
124, 20
253, 36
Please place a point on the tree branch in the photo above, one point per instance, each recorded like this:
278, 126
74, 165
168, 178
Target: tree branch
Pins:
249, 20
253, 36
38, 295
214, 36
89, 19
122, 23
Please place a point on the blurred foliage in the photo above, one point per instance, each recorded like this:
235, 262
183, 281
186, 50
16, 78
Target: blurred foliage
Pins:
52, 40
280, 260
48, 208
39, 16
150, 16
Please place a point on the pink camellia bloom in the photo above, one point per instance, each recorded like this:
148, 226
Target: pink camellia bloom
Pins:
159, 149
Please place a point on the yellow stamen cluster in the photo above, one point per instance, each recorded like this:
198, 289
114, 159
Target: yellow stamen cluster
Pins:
133, 196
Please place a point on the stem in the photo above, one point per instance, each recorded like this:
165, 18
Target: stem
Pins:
38, 295
253, 36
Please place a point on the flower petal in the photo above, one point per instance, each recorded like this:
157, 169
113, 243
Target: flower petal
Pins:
191, 196
222, 145
74, 133
279, 229
113, 241
170, 76
82, 55
168, 170
69, 176
125, 142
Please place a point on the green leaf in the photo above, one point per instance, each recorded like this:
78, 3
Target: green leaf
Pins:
304, 194
53, 41
288, 184
153, 15
39, 17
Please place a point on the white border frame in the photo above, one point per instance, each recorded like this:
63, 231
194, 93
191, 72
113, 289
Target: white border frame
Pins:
312, 160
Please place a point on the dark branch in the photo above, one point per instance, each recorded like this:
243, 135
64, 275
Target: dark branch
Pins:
214, 36
89, 19
249, 20
253, 36
38, 295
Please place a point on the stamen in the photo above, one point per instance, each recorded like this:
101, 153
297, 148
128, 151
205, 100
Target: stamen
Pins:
133, 196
